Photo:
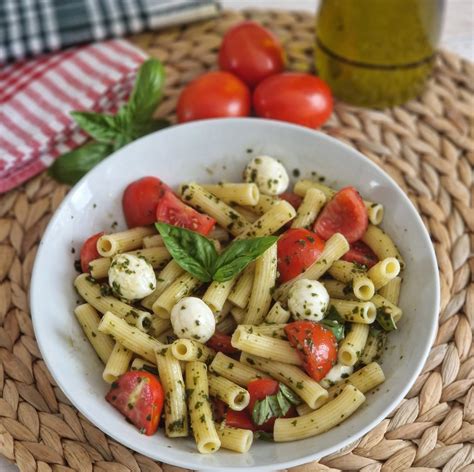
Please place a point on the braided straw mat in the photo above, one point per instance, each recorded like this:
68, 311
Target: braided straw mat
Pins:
427, 146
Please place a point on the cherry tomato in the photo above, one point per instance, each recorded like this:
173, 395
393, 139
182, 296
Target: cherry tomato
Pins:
219, 409
361, 254
251, 52
239, 419
221, 342
89, 251
345, 213
138, 395
214, 95
317, 347
297, 250
140, 199
172, 210
293, 199
295, 97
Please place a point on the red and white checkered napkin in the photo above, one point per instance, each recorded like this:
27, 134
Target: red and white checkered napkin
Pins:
37, 96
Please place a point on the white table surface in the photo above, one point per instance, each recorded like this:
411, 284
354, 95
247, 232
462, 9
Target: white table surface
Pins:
458, 36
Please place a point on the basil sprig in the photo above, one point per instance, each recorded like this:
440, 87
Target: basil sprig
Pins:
335, 323
385, 318
197, 255
274, 406
111, 132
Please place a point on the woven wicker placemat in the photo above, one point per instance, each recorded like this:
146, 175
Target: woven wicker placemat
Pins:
427, 146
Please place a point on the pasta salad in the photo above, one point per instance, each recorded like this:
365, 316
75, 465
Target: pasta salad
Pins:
235, 311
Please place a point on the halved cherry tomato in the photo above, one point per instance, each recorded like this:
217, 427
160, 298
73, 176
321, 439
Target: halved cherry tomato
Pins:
239, 419
213, 95
221, 342
345, 213
361, 254
172, 210
89, 251
251, 52
258, 390
316, 345
295, 97
293, 199
138, 395
297, 250
140, 199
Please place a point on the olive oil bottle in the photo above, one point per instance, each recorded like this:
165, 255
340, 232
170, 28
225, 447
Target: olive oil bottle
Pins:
377, 53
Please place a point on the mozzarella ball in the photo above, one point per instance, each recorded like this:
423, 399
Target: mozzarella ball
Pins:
308, 300
131, 277
191, 318
269, 175
337, 374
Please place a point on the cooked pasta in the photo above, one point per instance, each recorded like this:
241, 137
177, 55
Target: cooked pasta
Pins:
110, 244
236, 397
309, 209
355, 311
352, 345
217, 293
384, 271
381, 243
277, 314
235, 194
117, 364
391, 291
240, 293
235, 439
191, 350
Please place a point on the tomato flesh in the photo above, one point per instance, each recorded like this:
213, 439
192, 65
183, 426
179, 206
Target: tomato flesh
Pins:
222, 343
140, 199
213, 95
251, 52
89, 251
345, 213
297, 250
316, 345
299, 98
172, 210
138, 395
239, 419
360, 253
293, 199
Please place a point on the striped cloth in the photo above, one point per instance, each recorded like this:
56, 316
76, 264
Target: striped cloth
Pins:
31, 27
37, 96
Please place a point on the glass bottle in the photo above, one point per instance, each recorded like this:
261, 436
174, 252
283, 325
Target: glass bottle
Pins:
377, 53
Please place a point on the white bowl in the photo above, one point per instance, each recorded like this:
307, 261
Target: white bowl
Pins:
206, 151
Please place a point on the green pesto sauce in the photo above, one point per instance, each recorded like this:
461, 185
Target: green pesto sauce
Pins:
377, 53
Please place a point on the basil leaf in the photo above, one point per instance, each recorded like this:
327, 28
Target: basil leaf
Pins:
147, 91
283, 403
100, 126
385, 319
70, 167
193, 252
289, 395
238, 255
261, 412
334, 315
264, 436
141, 129
336, 328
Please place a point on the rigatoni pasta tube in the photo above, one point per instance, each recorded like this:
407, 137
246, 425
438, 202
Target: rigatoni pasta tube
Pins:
235, 193
236, 397
375, 211
234, 371
265, 346
264, 204
200, 413
350, 348
154, 240
277, 314
338, 289
165, 278
364, 379
373, 347
293, 377
381, 243
348, 272
217, 294
171, 378
240, 293
206, 202
191, 350
355, 311
325, 418
89, 320
263, 283
90, 290
132, 338
180, 288
223, 312
273, 330
235, 439
117, 364
110, 244
391, 291
336, 246
155, 256
227, 325
384, 271
387, 306
309, 209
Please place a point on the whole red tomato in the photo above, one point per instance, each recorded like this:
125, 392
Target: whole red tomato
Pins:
295, 97
214, 95
251, 52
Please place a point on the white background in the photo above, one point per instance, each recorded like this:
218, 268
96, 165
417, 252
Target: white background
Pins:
458, 36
